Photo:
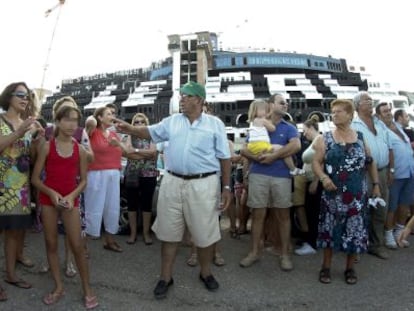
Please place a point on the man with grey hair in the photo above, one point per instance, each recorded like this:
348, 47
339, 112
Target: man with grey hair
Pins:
377, 138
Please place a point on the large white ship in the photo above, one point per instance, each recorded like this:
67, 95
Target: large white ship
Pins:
232, 79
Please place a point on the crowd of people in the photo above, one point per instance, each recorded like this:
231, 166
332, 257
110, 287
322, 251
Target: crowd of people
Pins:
350, 188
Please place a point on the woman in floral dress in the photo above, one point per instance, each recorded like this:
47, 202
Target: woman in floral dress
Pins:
15, 151
340, 162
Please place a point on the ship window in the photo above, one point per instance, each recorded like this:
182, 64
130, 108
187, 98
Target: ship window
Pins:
193, 45
244, 61
233, 61
184, 46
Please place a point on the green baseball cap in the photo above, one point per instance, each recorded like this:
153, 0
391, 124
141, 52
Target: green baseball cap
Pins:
194, 89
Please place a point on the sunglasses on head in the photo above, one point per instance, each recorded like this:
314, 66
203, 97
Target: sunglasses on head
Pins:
21, 94
184, 96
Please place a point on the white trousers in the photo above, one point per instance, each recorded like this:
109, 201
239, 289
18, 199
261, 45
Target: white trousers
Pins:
102, 201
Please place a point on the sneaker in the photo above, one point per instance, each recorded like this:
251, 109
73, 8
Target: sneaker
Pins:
306, 249
248, 260
389, 240
397, 231
286, 263
160, 291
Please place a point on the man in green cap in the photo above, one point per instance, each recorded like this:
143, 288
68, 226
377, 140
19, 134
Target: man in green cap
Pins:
198, 155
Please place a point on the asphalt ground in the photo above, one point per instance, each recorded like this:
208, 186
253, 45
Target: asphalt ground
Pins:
125, 281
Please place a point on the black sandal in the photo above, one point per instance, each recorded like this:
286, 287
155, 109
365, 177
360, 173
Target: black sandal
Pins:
325, 276
350, 276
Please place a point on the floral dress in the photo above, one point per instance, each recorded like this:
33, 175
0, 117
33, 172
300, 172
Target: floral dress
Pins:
343, 214
15, 212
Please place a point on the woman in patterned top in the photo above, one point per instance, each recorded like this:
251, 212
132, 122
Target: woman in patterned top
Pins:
140, 180
15, 153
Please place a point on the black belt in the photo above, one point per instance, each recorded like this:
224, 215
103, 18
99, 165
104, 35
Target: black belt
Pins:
195, 176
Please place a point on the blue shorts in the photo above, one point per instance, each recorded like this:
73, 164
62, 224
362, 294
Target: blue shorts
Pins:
401, 192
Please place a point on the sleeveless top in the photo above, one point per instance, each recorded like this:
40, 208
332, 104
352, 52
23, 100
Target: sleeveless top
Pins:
107, 156
307, 158
61, 173
14, 176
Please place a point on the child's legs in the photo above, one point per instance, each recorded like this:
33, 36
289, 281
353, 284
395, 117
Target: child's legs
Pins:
71, 221
288, 160
289, 163
49, 220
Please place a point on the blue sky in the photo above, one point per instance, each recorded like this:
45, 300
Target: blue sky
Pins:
94, 36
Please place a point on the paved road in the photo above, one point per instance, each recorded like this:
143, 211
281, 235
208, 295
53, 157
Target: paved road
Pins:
125, 282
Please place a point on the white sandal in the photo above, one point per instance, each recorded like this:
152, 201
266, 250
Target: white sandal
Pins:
192, 261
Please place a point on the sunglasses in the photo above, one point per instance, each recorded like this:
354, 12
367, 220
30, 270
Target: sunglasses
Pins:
184, 96
139, 122
21, 95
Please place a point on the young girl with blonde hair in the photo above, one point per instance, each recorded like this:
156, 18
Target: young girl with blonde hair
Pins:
259, 141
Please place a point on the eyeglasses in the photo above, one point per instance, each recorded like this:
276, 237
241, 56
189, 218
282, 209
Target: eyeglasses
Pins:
21, 95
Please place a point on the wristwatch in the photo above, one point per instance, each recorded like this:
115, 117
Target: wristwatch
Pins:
392, 170
136, 150
227, 187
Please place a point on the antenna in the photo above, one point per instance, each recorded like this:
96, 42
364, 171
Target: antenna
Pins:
45, 67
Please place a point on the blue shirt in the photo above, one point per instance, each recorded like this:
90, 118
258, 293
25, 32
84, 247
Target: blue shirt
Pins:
403, 154
192, 148
281, 136
378, 144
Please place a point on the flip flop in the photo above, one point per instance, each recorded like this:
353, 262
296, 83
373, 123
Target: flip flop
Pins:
19, 283
52, 298
130, 242
25, 262
113, 247
91, 302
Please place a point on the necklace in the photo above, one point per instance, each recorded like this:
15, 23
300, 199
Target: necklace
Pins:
61, 153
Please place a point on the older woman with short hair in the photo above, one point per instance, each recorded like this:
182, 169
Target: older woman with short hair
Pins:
340, 161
